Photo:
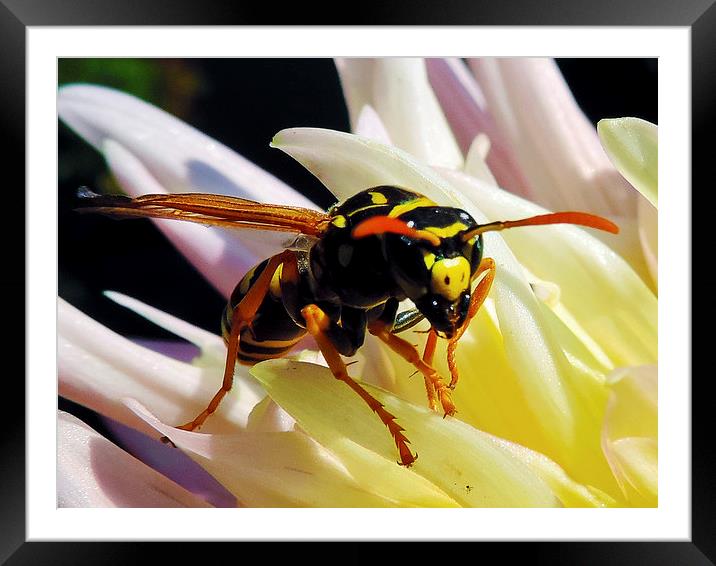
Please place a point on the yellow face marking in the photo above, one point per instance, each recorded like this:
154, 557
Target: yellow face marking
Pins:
377, 198
339, 221
447, 231
429, 259
450, 277
410, 205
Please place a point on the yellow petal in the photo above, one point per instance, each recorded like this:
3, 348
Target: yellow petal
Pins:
632, 146
559, 414
289, 469
630, 433
598, 288
570, 492
468, 465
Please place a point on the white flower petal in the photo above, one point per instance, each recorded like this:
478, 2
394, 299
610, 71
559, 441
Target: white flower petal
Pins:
475, 164
347, 163
289, 469
179, 157
208, 343
93, 472
557, 148
402, 97
649, 237
407, 105
98, 367
356, 76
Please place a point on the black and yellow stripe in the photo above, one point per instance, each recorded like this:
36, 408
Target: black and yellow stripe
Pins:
273, 332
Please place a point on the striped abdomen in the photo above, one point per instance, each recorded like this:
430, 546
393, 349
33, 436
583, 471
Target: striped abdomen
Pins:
273, 332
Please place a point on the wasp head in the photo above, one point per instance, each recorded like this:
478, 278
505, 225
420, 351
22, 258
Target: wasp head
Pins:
436, 275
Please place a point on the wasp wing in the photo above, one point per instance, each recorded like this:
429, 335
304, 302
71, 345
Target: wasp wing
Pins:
212, 210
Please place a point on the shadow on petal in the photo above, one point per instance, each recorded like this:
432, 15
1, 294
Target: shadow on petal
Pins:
172, 463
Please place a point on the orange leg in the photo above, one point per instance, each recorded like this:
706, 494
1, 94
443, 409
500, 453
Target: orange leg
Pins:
317, 322
479, 295
410, 353
428, 356
242, 317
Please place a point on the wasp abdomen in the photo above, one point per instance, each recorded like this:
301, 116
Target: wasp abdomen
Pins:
272, 332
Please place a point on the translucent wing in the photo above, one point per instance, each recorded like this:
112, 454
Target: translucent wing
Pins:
212, 210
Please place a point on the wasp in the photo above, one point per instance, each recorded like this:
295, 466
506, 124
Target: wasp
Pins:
346, 274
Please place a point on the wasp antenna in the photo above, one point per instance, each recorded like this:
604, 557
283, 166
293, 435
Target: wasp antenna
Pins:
387, 225
569, 217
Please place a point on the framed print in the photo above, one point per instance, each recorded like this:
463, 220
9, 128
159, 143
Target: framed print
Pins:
545, 363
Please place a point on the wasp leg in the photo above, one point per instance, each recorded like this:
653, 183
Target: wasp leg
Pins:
487, 266
410, 354
428, 356
404, 321
317, 324
242, 317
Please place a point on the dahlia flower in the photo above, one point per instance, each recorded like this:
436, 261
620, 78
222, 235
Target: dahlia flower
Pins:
557, 396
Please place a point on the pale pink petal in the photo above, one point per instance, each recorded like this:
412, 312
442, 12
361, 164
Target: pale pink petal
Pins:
178, 156
93, 472
556, 147
151, 151
172, 463
464, 105
398, 89
371, 126
180, 351
649, 237
97, 367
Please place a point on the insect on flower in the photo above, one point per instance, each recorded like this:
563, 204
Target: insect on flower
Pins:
346, 273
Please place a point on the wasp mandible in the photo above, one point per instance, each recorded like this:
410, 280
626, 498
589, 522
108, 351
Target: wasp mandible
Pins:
363, 257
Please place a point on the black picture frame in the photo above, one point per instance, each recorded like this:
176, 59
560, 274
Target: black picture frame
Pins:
17, 15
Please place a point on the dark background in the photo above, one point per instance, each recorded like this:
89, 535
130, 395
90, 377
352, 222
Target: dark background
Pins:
242, 103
